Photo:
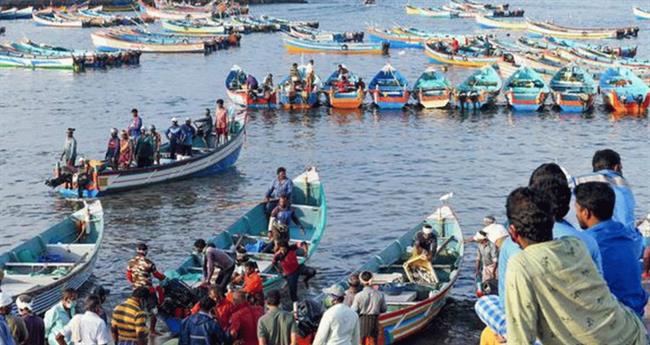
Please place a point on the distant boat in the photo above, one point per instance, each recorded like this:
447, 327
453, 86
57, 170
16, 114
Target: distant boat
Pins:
23, 60
389, 89
310, 204
147, 42
342, 95
624, 92
479, 90
50, 18
60, 257
464, 57
194, 27
238, 94
641, 13
525, 90
573, 89
303, 46
554, 30
430, 12
175, 13
493, 23
432, 89
203, 162
415, 297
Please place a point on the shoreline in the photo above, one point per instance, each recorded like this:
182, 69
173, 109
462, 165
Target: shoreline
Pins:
46, 3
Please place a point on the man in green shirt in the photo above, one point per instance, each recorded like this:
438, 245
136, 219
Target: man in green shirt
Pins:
553, 290
276, 327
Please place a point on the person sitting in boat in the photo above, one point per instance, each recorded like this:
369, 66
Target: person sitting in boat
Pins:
426, 242
126, 151
204, 128
281, 185
310, 81
342, 71
69, 155
253, 284
144, 150
84, 177
135, 127
252, 86
140, 272
342, 85
113, 150
294, 77
267, 84
221, 122
174, 135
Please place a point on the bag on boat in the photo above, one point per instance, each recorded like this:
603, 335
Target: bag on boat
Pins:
178, 295
309, 315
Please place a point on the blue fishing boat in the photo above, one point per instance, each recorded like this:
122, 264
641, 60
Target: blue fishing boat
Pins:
300, 94
62, 256
479, 90
342, 90
573, 89
432, 89
10, 58
624, 92
304, 46
204, 161
415, 289
250, 232
525, 90
389, 89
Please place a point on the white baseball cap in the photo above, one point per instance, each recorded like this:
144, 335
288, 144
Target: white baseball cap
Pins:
495, 232
5, 299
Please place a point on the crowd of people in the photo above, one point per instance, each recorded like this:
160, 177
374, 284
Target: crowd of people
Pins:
550, 283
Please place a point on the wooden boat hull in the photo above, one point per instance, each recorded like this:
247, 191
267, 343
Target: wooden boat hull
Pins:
33, 62
573, 102
396, 41
433, 101
202, 164
457, 60
173, 14
299, 46
242, 99
301, 101
390, 100
539, 29
412, 10
43, 21
57, 242
310, 204
626, 107
475, 101
525, 102
492, 23
348, 100
107, 43
192, 30
640, 13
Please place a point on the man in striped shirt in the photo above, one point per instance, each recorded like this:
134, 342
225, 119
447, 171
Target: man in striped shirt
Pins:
129, 324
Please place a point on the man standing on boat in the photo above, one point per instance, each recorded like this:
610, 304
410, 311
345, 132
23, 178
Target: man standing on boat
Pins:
174, 135
113, 149
369, 304
214, 258
281, 216
135, 127
339, 324
140, 272
280, 186
157, 141
221, 122
188, 132
69, 155
287, 257
144, 150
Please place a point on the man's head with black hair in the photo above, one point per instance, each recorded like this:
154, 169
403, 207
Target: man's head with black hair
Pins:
594, 203
607, 159
557, 192
530, 217
206, 304
273, 298
547, 170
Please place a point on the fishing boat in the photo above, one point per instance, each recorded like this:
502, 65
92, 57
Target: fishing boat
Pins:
249, 231
343, 91
467, 56
479, 90
430, 12
23, 60
146, 42
204, 161
301, 94
15, 13
49, 18
554, 30
194, 27
432, 89
494, 23
241, 96
415, 290
306, 33
286, 24
396, 40
641, 13
60, 257
302, 46
120, 6
175, 13
525, 90
624, 92
389, 89
511, 62
573, 89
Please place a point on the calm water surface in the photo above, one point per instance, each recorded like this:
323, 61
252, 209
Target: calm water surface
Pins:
383, 172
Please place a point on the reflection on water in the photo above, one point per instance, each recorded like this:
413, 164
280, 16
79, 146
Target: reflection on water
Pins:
383, 171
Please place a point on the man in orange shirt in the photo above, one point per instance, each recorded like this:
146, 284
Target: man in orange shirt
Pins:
223, 309
243, 324
253, 284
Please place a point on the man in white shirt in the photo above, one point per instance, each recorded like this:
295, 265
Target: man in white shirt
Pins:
339, 324
87, 328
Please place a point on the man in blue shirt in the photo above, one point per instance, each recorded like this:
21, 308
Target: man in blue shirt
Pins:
594, 209
174, 135
201, 328
188, 132
280, 186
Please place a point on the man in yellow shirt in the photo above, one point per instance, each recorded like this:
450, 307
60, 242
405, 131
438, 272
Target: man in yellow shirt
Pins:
553, 290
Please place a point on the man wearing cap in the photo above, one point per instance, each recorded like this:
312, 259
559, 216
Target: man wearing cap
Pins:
33, 322
113, 149
486, 261
426, 242
188, 136
69, 155
16, 324
174, 135
140, 272
6, 338
86, 328
369, 304
339, 324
